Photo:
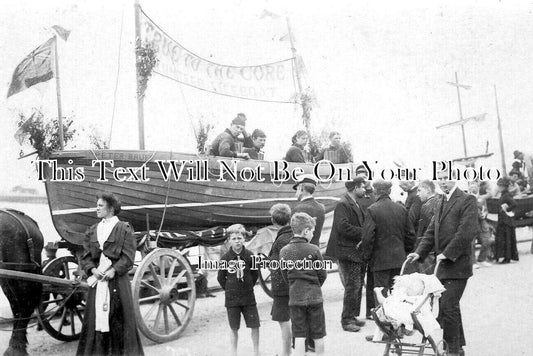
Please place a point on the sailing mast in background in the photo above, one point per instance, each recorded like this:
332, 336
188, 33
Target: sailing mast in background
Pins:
502, 151
462, 121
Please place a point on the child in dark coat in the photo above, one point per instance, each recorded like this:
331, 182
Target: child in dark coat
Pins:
238, 284
505, 231
305, 295
281, 215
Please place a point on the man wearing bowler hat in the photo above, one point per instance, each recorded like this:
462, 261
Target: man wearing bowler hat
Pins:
346, 233
224, 144
305, 187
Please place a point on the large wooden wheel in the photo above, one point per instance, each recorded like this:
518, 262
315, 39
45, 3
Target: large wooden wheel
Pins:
265, 279
163, 295
61, 310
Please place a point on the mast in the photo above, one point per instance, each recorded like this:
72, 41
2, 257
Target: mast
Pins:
58, 93
502, 152
460, 113
305, 109
140, 98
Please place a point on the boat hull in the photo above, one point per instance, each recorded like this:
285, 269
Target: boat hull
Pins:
205, 195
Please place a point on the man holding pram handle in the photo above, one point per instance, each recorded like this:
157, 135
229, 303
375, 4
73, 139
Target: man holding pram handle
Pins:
450, 234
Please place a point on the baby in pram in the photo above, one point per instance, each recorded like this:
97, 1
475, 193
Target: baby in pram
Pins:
414, 292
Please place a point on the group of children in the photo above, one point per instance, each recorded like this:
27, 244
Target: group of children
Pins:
296, 292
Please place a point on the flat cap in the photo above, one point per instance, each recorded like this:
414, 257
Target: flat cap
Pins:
382, 185
305, 178
357, 181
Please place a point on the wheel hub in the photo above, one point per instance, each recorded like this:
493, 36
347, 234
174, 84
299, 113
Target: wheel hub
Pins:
168, 294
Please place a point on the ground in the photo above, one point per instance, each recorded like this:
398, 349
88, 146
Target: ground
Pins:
496, 311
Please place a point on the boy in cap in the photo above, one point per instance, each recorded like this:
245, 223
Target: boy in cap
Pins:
305, 294
238, 285
224, 144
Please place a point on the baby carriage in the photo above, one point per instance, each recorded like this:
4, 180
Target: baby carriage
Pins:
401, 338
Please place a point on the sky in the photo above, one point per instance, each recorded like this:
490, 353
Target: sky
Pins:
379, 70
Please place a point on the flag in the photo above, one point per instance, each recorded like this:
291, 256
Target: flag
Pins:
34, 69
61, 32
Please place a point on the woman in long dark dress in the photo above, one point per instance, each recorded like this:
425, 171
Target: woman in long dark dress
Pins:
109, 326
296, 152
505, 231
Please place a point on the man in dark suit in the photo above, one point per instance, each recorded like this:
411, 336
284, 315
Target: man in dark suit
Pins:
450, 235
346, 232
388, 236
412, 202
305, 187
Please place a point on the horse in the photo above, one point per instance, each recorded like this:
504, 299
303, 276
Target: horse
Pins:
21, 244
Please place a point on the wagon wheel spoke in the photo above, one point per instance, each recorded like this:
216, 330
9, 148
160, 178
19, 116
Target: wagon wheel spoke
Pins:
178, 277
66, 270
165, 318
150, 311
146, 284
158, 316
150, 298
182, 305
162, 268
62, 320
50, 301
174, 314
72, 325
171, 271
183, 290
79, 314
154, 274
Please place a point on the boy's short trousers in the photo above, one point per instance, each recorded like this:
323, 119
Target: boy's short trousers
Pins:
251, 316
308, 320
280, 308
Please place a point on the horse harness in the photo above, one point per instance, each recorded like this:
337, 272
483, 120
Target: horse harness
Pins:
29, 243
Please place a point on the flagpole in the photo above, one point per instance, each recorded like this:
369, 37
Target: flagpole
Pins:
502, 152
58, 92
140, 98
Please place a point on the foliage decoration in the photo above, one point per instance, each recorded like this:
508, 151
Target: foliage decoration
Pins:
146, 61
202, 134
43, 134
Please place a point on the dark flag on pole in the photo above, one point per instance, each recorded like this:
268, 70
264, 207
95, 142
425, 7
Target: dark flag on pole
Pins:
35, 68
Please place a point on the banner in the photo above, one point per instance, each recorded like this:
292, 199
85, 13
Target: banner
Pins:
272, 82
34, 69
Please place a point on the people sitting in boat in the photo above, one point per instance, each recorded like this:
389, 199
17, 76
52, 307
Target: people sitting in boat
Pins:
258, 141
527, 159
336, 152
296, 152
227, 143
517, 167
514, 189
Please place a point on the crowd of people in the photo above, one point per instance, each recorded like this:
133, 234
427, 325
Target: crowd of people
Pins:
373, 236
